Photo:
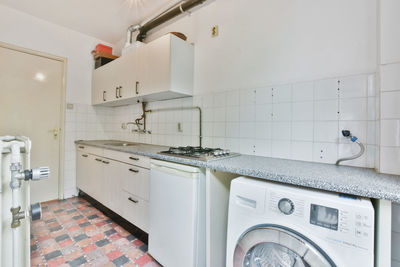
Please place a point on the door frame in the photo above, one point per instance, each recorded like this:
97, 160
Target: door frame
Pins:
61, 136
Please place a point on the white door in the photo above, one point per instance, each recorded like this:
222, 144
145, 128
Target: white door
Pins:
31, 93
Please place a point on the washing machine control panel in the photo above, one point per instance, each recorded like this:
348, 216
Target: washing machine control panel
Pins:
286, 206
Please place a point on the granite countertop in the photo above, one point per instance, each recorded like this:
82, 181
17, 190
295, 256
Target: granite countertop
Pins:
343, 179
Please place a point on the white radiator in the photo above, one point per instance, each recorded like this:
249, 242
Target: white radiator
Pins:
16, 211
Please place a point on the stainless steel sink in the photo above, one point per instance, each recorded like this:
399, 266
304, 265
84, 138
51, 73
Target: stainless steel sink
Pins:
120, 144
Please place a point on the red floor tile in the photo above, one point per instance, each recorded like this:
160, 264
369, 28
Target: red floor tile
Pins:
59, 236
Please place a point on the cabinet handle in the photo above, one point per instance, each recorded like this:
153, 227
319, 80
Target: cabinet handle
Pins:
133, 200
116, 92
133, 158
133, 170
137, 87
82, 147
98, 159
104, 95
105, 162
119, 91
84, 155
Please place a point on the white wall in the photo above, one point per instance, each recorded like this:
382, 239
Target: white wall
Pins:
278, 41
30, 32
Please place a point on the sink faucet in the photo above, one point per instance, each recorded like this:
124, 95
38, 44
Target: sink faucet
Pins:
137, 123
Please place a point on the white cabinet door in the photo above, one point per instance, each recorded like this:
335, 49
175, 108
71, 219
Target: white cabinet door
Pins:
112, 186
136, 210
101, 85
156, 66
127, 74
82, 170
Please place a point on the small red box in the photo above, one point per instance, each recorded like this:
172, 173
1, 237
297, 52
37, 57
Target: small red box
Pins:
104, 48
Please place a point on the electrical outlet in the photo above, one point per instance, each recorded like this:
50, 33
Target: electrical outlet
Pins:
214, 31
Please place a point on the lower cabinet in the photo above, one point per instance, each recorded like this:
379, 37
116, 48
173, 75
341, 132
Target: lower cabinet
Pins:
121, 187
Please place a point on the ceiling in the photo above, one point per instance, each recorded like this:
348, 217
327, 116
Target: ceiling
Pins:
106, 20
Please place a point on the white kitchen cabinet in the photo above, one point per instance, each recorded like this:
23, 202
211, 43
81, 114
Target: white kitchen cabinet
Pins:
118, 180
82, 170
159, 70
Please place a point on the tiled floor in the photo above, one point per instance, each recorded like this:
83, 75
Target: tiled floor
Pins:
73, 233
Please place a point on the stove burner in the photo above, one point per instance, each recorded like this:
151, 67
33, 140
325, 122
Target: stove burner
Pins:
199, 152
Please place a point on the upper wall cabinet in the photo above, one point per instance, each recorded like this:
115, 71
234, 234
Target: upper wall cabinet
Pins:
159, 70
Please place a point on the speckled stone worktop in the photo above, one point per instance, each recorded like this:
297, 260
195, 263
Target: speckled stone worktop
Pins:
351, 180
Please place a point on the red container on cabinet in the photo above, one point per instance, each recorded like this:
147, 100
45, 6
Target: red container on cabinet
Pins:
104, 49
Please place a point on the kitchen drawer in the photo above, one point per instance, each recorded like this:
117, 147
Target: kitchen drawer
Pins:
136, 180
90, 149
128, 158
136, 211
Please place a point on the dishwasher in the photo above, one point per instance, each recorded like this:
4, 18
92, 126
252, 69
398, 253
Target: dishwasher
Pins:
177, 222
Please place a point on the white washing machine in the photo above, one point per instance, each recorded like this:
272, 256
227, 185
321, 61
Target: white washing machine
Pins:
271, 224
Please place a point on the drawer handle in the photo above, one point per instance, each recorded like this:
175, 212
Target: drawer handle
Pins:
98, 159
137, 87
133, 200
81, 147
84, 155
133, 170
105, 162
133, 158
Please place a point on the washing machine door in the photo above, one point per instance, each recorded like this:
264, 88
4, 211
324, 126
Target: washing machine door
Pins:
278, 246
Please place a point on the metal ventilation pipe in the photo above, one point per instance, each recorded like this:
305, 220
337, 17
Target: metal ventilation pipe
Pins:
170, 13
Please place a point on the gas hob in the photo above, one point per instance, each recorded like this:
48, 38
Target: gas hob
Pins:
199, 153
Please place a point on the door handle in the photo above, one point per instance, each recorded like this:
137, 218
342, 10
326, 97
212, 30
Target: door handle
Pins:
98, 159
119, 91
133, 200
116, 92
81, 147
84, 155
133, 170
104, 95
55, 132
137, 87
105, 162
132, 158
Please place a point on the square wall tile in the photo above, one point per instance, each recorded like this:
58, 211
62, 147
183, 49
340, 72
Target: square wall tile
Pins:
247, 146
353, 109
303, 92
247, 97
326, 89
303, 131
233, 144
282, 93
280, 149
282, 111
232, 113
326, 131
390, 160
263, 130
247, 113
263, 95
302, 151
325, 152
390, 77
390, 108
353, 86
326, 110
303, 111
264, 112
232, 98
262, 147
390, 133
350, 149
281, 131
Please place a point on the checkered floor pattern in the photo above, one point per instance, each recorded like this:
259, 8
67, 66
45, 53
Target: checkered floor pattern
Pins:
74, 233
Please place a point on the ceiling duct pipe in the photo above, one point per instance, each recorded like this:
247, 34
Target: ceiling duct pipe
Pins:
185, 6
170, 13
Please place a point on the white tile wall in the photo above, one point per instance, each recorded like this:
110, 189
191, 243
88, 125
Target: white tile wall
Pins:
301, 121
390, 119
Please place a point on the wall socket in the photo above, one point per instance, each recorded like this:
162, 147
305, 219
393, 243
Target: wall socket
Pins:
214, 31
